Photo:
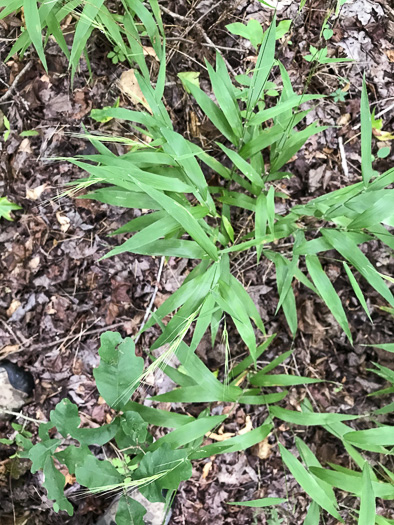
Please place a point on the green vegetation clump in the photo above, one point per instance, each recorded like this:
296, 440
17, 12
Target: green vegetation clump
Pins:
191, 218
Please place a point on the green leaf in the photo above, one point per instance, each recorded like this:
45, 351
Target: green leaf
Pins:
264, 63
281, 380
54, 482
234, 444
327, 292
83, 31
33, 26
313, 515
97, 475
119, 371
309, 418
389, 347
383, 152
169, 466
6, 207
344, 244
183, 216
133, 430
39, 453
357, 289
308, 483
381, 210
366, 136
367, 504
352, 484
252, 31
191, 77
258, 503
383, 436
72, 457
130, 512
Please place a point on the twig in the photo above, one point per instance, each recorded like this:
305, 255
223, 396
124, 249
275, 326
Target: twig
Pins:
19, 414
386, 110
89, 332
224, 48
343, 157
152, 300
12, 87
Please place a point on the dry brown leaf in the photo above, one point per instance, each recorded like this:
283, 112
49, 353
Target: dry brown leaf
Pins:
8, 350
128, 85
262, 450
34, 194
63, 221
206, 470
219, 437
248, 426
13, 307
149, 52
344, 119
390, 55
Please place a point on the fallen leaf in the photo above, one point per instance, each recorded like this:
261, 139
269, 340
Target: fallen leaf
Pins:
8, 350
63, 221
206, 469
262, 450
128, 85
219, 437
248, 426
149, 52
34, 194
13, 307
34, 262
390, 55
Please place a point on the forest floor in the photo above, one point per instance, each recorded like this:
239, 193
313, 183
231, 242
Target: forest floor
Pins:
57, 296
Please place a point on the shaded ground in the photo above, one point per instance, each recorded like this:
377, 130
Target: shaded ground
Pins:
56, 297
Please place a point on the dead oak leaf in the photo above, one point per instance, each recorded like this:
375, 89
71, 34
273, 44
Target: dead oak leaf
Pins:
128, 84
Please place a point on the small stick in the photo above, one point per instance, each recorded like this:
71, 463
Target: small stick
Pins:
343, 157
152, 300
10, 90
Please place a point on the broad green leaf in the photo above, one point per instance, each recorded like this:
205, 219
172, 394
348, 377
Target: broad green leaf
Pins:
389, 347
83, 31
309, 418
212, 111
258, 503
341, 242
133, 431
352, 484
253, 31
264, 63
366, 136
6, 207
308, 483
54, 482
200, 393
39, 453
281, 380
97, 475
158, 417
33, 26
130, 512
367, 501
191, 77
224, 93
118, 373
383, 436
311, 461
170, 467
72, 456
244, 167
379, 212
313, 515
234, 444
291, 103
357, 289
327, 292
187, 433
183, 216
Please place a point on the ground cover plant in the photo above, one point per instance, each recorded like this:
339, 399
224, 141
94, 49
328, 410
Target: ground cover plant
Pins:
194, 198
